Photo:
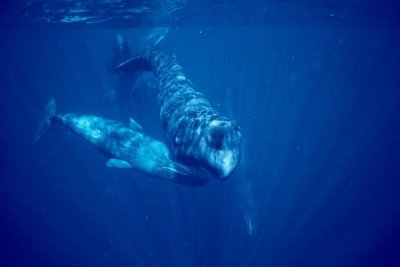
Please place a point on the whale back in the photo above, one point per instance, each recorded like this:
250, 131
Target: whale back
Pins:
196, 131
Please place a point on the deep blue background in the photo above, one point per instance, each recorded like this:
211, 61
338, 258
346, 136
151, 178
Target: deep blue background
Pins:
319, 177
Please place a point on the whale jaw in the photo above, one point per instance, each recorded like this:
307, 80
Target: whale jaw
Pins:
224, 162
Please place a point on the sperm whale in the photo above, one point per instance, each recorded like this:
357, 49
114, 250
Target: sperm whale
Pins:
198, 134
126, 146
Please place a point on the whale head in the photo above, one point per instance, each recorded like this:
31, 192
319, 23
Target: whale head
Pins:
223, 141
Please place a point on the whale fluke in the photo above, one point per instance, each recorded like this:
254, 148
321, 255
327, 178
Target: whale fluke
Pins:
134, 65
47, 120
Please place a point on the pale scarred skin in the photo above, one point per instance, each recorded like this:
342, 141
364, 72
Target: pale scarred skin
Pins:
129, 145
119, 141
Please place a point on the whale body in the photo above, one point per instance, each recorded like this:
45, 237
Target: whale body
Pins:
126, 146
197, 133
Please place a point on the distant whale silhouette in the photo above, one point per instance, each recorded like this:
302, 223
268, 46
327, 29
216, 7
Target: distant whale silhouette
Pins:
120, 94
198, 134
127, 147
130, 88
131, 95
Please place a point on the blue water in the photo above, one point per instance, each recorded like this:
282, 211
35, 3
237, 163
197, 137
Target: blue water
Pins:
318, 102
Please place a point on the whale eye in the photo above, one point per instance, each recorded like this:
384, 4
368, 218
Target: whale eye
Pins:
216, 137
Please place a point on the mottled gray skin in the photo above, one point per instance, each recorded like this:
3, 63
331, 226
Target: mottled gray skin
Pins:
195, 130
126, 146
118, 141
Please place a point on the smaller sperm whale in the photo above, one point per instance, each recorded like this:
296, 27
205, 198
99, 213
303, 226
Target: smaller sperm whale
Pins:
197, 133
126, 146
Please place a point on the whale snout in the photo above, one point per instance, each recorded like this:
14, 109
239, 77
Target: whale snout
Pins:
224, 140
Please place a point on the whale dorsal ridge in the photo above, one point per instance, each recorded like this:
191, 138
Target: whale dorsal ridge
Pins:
134, 125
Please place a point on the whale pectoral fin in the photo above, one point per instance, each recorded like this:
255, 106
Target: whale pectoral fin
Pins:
182, 175
249, 224
134, 125
171, 171
118, 163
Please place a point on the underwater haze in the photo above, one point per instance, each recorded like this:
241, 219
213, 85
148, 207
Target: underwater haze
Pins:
314, 86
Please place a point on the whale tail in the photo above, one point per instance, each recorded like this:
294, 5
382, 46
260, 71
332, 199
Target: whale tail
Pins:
146, 41
47, 121
134, 65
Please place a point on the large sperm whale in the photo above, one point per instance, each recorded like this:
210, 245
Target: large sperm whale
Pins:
198, 134
126, 147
